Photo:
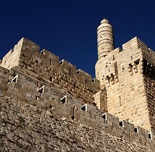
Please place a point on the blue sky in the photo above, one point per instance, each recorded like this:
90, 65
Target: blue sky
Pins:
68, 27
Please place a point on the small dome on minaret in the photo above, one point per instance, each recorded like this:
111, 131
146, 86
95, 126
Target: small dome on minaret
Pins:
105, 38
104, 21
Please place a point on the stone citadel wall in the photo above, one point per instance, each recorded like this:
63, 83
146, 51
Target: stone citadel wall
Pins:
47, 118
149, 83
34, 108
122, 94
46, 65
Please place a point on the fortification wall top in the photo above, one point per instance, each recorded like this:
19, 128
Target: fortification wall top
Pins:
27, 89
132, 51
46, 65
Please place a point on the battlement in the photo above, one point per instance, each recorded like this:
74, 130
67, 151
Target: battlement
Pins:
130, 56
133, 44
48, 99
46, 65
23, 88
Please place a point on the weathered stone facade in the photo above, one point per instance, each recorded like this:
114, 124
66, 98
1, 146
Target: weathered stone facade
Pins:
127, 75
49, 105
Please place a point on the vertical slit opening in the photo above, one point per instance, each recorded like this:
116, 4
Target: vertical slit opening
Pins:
121, 123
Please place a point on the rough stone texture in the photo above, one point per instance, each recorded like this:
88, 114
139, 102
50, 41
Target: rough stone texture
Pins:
127, 75
28, 128
46, 65
47, 105
105, 38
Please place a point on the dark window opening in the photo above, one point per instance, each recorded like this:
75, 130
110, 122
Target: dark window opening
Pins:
136, 130
150, 136
113, 57
15, 79
73, 113
84, 107
63, 99
137, 62
78, 71
93, 80
130, 65
60, 62
50, 78
94, 104
121, 123
41, 90
104, 116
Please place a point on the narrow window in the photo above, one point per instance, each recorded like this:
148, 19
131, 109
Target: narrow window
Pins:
150, 135
78, 71
63, 99
94, 104
93, 80
120, 102
73, 113
131, 58
137, 62
104, 116
41, 89
60, 62
50, 78
113, 57
130, 65
121, 123
84, 107
136, 130
15, 79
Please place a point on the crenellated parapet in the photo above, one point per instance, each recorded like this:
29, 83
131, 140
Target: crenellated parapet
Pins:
27, 89
129, 59
118, 104
46, 65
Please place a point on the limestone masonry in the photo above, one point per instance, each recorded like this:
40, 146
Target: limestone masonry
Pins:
49, 105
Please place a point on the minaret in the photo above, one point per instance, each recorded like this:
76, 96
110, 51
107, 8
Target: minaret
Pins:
105, 38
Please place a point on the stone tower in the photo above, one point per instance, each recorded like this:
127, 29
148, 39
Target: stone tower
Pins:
105, 42
105, 38
48, 105
128, 78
